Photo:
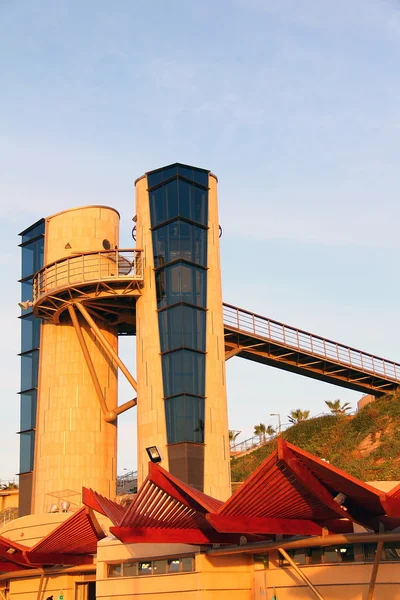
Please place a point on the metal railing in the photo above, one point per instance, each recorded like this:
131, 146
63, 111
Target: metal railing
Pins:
7, 515
303, 341
88, 267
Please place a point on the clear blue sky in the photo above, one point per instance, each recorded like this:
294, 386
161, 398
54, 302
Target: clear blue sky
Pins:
294, 104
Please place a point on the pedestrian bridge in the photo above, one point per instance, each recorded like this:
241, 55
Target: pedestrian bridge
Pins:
269, 342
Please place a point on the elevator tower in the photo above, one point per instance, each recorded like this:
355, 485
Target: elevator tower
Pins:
80, 291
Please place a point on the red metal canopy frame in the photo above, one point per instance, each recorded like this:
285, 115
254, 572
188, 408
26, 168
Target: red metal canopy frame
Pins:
71, 543
291, 493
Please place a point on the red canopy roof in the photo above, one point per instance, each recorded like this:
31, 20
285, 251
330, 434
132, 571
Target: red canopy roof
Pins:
71, 543
292, 492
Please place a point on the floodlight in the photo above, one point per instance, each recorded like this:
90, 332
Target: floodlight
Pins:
11, 550
340, 499
154, 454
25, 305
53, 508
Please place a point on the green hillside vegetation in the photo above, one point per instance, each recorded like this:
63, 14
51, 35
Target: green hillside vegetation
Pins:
366, 445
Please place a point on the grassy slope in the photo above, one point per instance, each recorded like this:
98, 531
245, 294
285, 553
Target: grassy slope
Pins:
366, 445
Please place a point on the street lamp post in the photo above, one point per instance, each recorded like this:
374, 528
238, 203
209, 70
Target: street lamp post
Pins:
279, 421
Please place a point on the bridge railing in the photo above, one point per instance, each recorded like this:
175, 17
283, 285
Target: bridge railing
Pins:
88, 267
290, 337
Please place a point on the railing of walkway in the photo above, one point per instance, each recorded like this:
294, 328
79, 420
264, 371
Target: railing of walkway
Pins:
291, 337
88, 267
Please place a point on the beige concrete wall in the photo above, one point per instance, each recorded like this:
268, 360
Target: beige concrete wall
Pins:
9, 499
150, 409
217, 473
74, 445
347, 581
28, 588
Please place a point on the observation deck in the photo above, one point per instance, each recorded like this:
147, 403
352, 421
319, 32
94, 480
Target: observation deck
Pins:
269, 342
106, 282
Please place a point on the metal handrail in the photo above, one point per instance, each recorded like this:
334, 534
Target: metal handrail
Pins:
244, 321
86, 267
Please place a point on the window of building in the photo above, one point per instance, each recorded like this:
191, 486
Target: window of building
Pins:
185, 419
28, 410
179, 198
29, 370
179, 240
392, 551
184, 564
30, 332
181, 282
193, 173
32, 232
27, 441
182, 326
130, 569
160, 567
32, 257
114, 570
145, 568
183, 373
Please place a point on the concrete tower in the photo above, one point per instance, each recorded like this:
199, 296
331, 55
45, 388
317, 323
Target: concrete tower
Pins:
85, 292
182, 405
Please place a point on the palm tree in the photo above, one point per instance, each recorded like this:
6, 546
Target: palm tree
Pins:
233, 435
261, 431
298, 415
270, 430
337, 408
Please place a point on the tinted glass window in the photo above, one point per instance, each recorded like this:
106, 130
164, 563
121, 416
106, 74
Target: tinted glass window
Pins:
392, 551
114, 570
181, 283
28, 410
27, 444
185, 419
183, 372
198, 175
179, 240
160, 567
26, 292
32, 258
145, 568
182, 326
193, 202
29, 370
187, 564
33, 232
130, 569
164, 203
173, 566
30, 333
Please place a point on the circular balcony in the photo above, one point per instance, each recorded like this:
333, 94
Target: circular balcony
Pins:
107, 282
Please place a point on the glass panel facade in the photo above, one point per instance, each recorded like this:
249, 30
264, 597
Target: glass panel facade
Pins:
28, 410
160, 175
27, 447
182, 327
32, 257
178, 196
32, 261
30, 333
181, 282
179, 240
185, 419
29, 370
183, 372
33, 231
